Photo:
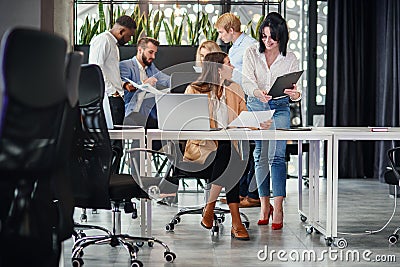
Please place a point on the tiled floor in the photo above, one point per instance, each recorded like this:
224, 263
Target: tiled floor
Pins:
363, 205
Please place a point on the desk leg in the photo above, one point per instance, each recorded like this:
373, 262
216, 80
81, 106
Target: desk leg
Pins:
316, 165
300, 175
143, 225
142, 157
149, 218
311, 189
334, 187
331, 172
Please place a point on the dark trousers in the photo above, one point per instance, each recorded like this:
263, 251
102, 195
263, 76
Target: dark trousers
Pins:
117, 106
248, 186
225, 170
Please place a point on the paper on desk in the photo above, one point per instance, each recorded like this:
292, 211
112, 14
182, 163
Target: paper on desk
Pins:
251, 118
147, 87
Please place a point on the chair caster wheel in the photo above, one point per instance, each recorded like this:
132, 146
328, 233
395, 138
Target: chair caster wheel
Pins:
328, 241
136, 263
77, 262
393, 239
303, 218
309, 230
170, 227
169, 256
246, 224
139, 244
150, 244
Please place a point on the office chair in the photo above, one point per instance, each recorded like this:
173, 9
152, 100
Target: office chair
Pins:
34, 103
392, 177
62, 177
94, 185
182, 169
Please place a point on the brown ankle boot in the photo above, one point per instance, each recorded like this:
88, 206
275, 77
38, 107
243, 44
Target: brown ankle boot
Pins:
240, 233
208, 215
238, 230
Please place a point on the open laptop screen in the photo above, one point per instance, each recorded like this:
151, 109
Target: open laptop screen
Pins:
180, 112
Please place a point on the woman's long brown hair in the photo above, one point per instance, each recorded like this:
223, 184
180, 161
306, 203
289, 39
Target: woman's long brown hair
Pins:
209, 79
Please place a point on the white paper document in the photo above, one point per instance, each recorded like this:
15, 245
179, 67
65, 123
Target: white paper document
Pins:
147, 87
251, 118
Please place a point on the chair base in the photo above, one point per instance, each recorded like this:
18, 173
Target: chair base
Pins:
219, 218
113, 238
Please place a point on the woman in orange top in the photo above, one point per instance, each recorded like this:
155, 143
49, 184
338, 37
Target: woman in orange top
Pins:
222, 162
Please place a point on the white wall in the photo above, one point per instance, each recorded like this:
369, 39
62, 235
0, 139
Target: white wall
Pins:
56, 14
19, 13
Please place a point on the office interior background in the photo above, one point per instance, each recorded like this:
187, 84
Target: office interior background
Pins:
348, 49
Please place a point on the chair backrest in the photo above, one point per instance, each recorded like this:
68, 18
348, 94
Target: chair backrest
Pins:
34, 103
180, 80
34, 97
93, 152
61, 181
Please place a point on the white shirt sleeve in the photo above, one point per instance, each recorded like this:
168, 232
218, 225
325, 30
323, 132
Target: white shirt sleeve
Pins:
249, 79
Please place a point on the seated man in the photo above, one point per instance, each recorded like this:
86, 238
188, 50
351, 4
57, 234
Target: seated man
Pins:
141, 70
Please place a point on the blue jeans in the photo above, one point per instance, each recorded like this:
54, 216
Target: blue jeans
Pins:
271, 152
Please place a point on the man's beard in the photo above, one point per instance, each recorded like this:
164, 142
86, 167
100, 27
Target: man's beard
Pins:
145, 61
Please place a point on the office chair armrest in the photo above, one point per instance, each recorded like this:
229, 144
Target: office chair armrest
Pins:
149, 151
395, 168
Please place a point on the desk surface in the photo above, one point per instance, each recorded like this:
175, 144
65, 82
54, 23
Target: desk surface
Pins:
137, 133
362, 133
235, 134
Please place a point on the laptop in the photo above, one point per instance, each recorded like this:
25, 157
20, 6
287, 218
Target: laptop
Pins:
183, 112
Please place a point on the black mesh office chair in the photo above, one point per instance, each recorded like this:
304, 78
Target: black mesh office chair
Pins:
34, 100
94, 186
392, 177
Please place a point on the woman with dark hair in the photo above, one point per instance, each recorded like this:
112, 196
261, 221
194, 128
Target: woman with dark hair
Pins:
262, 64
222, 162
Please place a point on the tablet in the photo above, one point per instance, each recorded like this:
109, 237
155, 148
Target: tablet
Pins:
284, 82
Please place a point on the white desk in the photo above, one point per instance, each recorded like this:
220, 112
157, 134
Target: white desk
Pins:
137, 134
314, 137
341, 134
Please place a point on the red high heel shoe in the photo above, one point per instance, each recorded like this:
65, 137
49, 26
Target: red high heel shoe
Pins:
277, 226
266, 222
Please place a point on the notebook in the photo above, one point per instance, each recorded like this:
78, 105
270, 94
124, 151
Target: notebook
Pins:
182, 112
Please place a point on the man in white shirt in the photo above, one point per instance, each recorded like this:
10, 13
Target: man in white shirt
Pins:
105, 53
228, 27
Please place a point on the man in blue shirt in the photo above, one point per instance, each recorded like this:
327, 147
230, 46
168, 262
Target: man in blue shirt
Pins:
141, 70
228, 27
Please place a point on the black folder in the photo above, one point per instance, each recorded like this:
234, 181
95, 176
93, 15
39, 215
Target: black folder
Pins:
284, 82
